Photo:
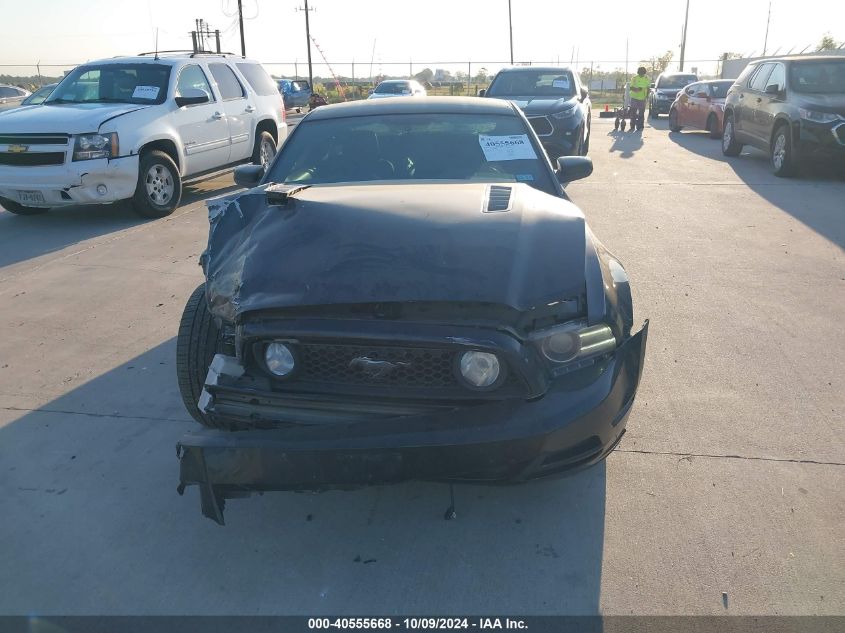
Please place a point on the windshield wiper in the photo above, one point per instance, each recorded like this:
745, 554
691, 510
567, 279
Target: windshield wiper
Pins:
104, 100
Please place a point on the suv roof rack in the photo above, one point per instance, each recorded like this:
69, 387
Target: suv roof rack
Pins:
187, 51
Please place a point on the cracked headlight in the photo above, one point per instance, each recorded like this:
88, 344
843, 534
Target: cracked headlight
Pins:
90, 146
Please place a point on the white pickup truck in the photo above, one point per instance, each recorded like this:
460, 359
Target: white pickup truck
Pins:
134, 128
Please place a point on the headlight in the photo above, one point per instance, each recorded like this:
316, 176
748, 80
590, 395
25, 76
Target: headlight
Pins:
576, 341
564, 114
481, 370
89, 146
279, 359
817, 117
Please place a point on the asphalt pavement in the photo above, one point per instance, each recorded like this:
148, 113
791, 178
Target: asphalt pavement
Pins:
729, 479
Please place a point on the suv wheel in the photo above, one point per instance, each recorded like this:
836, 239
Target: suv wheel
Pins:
783, 162
730, 146
673, 120
265, 150
159, 187
19, 209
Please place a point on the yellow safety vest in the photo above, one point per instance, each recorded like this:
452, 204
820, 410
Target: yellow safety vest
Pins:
639, 87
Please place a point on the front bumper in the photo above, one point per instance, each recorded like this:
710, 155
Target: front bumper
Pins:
574, 425
821, 140
560, 137
72, 182
661, 106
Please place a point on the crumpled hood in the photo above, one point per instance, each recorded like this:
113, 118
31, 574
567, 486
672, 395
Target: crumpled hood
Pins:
544, 105
342, 244
67, 118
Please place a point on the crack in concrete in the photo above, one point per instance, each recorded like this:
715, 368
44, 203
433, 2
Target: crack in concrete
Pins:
96, 415
785, 460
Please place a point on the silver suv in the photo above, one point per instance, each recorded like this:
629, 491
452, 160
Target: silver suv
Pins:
136, 128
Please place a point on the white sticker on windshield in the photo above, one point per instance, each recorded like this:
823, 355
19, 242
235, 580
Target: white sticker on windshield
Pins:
563, 82
513, 147
145, 92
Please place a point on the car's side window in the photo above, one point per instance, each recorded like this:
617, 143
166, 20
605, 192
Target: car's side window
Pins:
227, 82
778, 78
758, 81
194, 78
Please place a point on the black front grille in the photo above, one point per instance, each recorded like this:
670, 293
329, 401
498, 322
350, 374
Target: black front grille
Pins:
27, 159
377, 366
33, 139
541, 125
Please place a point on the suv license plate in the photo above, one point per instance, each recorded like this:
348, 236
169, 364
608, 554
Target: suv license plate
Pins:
31, 197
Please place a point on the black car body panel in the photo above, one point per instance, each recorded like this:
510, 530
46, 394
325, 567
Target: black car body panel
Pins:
756, 112
560, 135
378, 289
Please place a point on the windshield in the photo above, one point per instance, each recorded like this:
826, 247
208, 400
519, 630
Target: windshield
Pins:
720, 89
114, 83
393, 88
405, 147
533, 83
825, 77
675, 82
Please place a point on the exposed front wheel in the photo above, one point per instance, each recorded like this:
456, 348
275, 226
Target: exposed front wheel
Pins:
783, 161
19, 209
673, 121
264, 151
730, 146
159, 187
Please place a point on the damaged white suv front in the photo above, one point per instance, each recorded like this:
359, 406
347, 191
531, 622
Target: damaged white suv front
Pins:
136, 128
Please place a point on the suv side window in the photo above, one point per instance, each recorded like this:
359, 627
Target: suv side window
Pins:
193, 77
758, 81
227, 82
777, 77
258, 78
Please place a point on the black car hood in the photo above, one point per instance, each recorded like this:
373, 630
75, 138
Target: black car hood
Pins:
543, 105
346, 244
834, 103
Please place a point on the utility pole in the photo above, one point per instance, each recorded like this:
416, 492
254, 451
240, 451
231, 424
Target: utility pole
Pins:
308, 38
684, 37
768, 18
241, 25
510, 29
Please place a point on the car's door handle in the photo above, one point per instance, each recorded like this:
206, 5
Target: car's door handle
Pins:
217, 115
249, 109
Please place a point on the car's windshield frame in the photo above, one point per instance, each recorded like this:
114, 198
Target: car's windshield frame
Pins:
546, 180
61, 91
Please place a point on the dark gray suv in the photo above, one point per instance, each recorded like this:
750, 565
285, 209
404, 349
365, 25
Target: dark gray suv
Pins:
793, 108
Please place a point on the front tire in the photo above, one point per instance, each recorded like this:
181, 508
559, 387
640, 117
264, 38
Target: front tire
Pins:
585, 147
673, 120
198, 340
713, 127
730, 146
19, 209
159, 187
783, 161
264, 151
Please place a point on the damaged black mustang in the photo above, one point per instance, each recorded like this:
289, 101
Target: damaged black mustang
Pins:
407, 293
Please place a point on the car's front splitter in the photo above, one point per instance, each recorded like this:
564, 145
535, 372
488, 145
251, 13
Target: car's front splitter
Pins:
569, 428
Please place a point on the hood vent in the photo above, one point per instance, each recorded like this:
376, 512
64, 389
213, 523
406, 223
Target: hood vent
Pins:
498, 199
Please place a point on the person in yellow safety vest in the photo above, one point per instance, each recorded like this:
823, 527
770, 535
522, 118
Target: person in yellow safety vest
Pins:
640, 85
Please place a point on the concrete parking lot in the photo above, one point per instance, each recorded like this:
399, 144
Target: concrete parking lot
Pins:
730, 478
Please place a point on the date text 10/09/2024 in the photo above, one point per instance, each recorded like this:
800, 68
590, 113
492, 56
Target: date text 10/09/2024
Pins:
436, 624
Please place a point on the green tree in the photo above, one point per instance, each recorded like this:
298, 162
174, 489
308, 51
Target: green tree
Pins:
827, 43
660, 63
481, 77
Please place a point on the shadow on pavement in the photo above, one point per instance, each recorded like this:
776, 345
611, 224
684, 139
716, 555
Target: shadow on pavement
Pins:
626, 142
814, 197
93, 525
27, 237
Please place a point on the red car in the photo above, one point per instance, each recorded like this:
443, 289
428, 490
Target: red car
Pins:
700, 105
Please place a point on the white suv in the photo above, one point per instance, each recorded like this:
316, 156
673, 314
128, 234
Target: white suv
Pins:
135, 128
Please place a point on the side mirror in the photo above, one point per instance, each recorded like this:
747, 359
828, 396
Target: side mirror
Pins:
482, 92
571, 168
192, 96
249, 176
773, 89
584, 94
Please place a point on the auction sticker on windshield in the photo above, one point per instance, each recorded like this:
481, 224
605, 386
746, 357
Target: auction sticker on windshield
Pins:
145, 92
511, 147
